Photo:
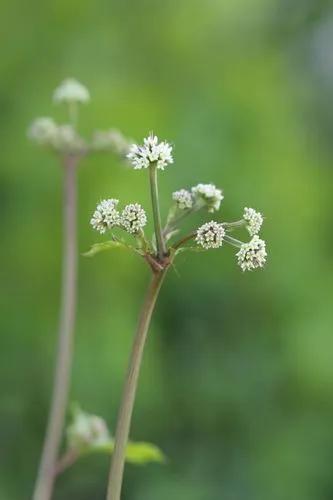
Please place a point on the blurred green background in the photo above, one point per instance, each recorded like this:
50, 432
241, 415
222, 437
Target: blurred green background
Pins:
237, 380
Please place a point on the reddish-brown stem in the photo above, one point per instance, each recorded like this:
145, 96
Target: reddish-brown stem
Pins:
45, 478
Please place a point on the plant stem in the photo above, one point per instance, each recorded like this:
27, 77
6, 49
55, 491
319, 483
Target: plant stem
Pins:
46, 473
161, 248
129, 391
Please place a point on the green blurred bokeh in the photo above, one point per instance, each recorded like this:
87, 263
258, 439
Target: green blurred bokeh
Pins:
237, 380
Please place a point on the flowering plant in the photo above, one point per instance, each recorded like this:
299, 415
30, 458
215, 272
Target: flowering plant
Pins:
159, 252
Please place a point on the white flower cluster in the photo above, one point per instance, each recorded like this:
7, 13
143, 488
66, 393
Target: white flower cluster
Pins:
253, 219
110, 140
87, 430
210, 235
183, 198
70, 90
209, 194
45, 132
106, 216
66, 139
252, 254
133, 218
152, 151
42, 131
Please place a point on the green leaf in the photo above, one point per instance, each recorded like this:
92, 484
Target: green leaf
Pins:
108, 245
137, 453
141, 453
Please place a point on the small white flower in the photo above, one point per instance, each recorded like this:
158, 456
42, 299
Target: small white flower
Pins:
87, 430
42, 131
133, 218
66, 139
210, 235
110, 140
105, 216
183, 198
209, 194
151, 152
254, 220
70, 90
252, 255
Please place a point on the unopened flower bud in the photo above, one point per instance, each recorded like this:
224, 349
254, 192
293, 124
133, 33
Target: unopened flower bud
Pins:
183, 199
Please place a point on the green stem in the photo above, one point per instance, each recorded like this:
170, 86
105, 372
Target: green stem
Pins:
130, 387
161, 248
46, 473
232, 241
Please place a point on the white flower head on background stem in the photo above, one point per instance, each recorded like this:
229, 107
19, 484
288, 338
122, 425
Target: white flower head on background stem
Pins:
210, 235
252, 254
209, 194
43, 131
69, 91
133, 218
106, 216
183, 199
152, 151
86, 431
67, 140
253, 220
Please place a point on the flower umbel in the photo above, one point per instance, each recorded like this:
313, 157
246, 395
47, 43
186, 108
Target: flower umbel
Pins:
210, 235
209, 194
152, 151
252, 254
43, 131
105, 216
253, 219
70, 90
133, 218
183, 199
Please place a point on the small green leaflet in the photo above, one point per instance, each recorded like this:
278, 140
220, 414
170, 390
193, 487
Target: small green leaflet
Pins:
108, 245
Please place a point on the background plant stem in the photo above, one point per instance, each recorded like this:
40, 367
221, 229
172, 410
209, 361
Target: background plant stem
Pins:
46, 473
161, 248
129, 391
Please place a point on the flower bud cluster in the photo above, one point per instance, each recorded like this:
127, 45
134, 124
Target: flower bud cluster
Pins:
106, 216
183, 199
210, 235
252, 254
202, 195
209, 195
253, 220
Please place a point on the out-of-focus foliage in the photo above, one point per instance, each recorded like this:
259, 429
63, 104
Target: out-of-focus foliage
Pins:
237, 380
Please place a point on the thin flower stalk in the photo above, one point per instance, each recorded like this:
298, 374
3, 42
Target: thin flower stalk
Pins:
46, 473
